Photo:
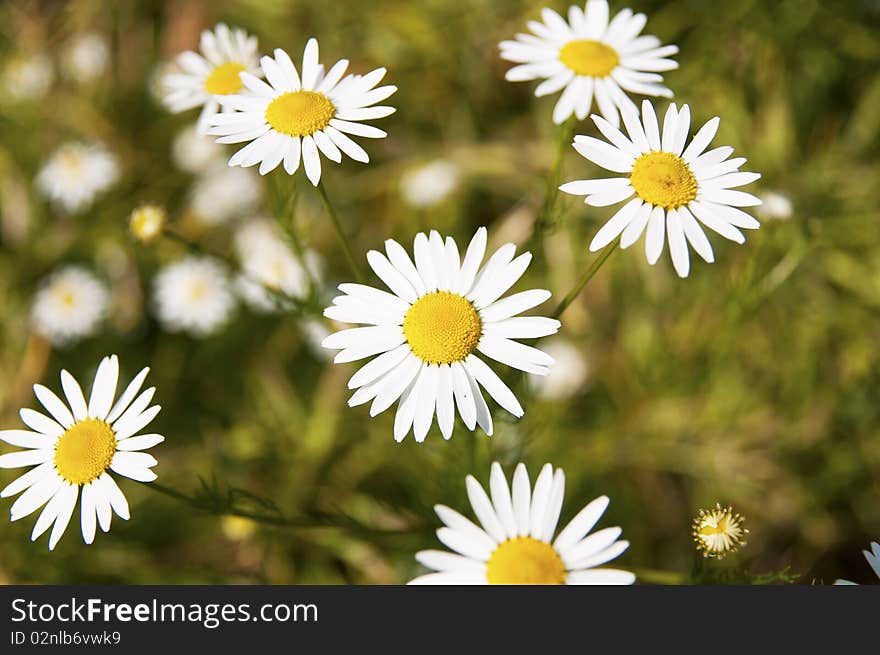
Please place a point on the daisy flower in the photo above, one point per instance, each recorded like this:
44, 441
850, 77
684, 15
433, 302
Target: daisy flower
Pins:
213, 73
291, 117
76, 173
514, 542
719, 531
571, 372
426, 331
268, 263
70, 305
589, 57
873, 557
147, 222
193, 295
194, 152
86, 57
222, 194
28, 77
675, 187
74, 448
429, 184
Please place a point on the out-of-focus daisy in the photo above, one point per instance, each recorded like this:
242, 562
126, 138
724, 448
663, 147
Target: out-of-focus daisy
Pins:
28, 77
76, 173
442, 310
570, 370
514, 542
774, 206
193, 295
70, 305
675, 187
589, 57
73, 450
430, 183
873, 557
291, 117
212, 73
222, 194
194, 152
146, 222
268, 263
86, 57
719, 531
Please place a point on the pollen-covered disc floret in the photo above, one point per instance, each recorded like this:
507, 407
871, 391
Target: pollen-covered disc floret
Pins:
719, 531
515, 540
295, 114
73, 450
673, 191
212, 73
589, 57
426, 334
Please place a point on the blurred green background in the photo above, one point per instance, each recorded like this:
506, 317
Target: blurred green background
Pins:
753, 382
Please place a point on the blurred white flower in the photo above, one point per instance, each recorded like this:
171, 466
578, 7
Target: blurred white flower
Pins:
268, 263
76, 173
213, 73
28, 78
315, 331
429, 184
514, 541
193, 295
570, 370
85, 57
775, 206
294, 115
73, 452
194, 152
147, 222
590, 57
873, 557
70, 305
222, 194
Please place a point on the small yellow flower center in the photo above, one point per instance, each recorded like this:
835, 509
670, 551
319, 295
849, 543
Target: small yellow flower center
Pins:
84, 451
525, 560
224, 79
65, 295
663, 180
197, 291
442, 328
147, 222
300, 113
719, 531
589, 58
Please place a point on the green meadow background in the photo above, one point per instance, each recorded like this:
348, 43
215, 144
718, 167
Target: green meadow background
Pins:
753, 382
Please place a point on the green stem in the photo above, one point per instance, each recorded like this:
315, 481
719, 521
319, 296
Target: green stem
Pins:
551, 192
315, 520
340, 235
654, 576
585, 278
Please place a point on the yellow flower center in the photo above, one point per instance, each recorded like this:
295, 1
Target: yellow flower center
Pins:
224, 79
300, 113
525, 560
147, 222
663, 180
589, 58
84, 451
442, 328
719, 531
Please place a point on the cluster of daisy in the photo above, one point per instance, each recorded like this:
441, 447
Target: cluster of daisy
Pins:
444, 312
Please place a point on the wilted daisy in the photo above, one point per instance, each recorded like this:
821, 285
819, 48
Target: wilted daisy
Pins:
442, 310
70, 305
430, 183
193, 151
86, 57
675, 188
589, 57
222, 194
76, 173
269, 264
193, 295
719, 531
873, 557
75, 448
146, 222
213, 73
28, 77
291, 117
514, 542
